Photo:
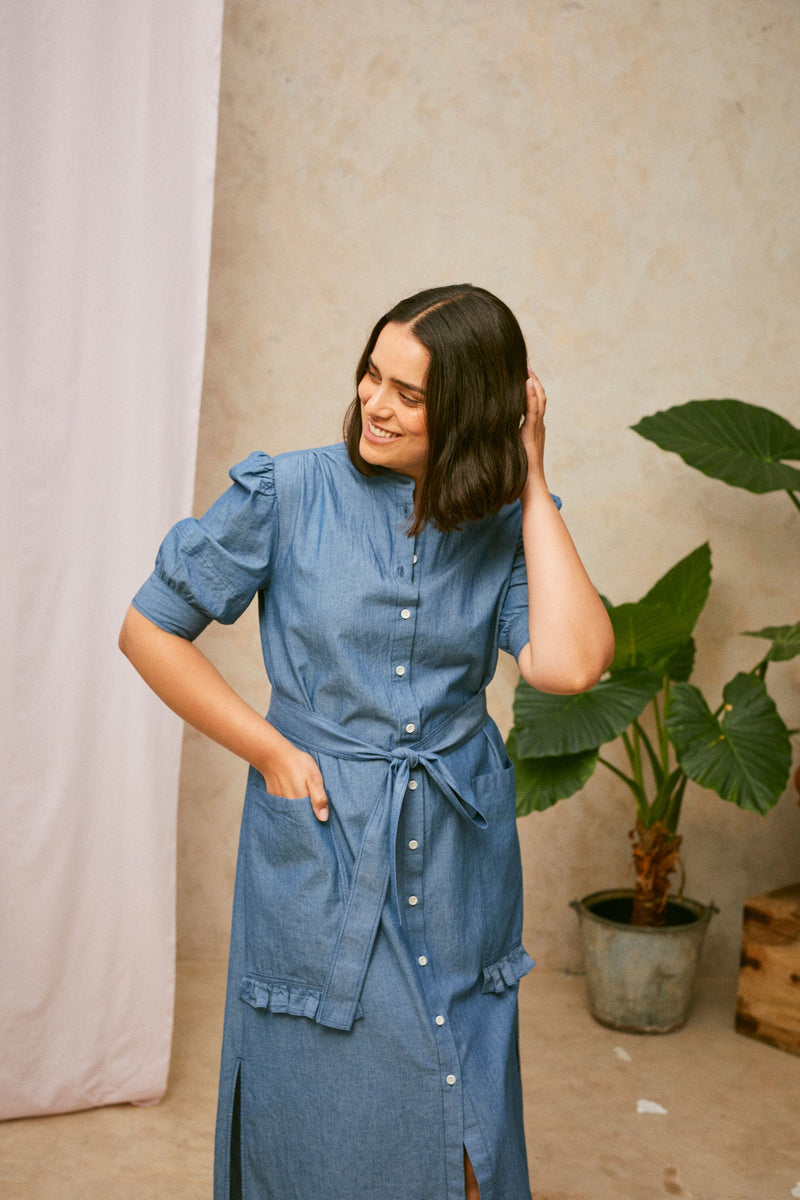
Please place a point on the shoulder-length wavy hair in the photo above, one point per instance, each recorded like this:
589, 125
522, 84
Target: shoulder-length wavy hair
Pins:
474, 402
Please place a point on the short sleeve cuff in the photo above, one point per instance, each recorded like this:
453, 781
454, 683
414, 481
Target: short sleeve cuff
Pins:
518, 635
157, 601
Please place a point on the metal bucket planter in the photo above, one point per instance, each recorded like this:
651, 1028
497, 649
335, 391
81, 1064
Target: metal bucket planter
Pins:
638, 978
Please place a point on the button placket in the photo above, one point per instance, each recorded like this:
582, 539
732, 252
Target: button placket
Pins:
412, 855
413, 875
404, 629
413, 860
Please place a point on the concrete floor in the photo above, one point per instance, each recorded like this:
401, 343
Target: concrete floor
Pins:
730, 1129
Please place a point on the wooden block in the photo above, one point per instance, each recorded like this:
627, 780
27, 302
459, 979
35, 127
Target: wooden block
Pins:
768, 1000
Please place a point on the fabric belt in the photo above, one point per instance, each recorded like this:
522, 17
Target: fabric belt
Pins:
376, 862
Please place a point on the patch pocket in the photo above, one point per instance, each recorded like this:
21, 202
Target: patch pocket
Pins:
294, 890
499, 864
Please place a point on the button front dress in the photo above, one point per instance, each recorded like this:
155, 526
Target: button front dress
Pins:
371, 1018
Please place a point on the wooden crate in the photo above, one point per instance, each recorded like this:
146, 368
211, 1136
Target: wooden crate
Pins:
768, 1000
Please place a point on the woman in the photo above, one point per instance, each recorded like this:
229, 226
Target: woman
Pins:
370, 1043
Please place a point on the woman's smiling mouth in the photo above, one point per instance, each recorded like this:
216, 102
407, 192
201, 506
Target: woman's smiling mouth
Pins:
384, 434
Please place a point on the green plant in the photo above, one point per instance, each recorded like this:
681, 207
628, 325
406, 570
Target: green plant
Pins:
746, 446
669, 734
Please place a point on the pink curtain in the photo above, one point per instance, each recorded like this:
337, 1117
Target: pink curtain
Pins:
108, 117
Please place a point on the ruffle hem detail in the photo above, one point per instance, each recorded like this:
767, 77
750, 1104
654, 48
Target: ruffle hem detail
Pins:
280, 996
507, 971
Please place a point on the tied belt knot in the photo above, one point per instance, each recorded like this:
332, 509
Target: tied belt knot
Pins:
376, 861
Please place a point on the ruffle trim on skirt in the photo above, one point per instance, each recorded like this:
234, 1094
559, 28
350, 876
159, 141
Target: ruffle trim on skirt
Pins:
280, 996
507, 971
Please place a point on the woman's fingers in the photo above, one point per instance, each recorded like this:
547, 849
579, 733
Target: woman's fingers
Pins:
537, 400
319, 801
294, 774
533, 431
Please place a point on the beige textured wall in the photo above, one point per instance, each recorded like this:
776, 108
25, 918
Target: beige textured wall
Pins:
626, 176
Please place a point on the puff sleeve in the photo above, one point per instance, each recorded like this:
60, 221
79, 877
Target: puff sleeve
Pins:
209, 569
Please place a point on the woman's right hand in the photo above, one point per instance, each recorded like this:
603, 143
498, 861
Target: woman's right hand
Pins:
292, 773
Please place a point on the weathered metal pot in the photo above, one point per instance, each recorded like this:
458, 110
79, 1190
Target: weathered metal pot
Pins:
639, 978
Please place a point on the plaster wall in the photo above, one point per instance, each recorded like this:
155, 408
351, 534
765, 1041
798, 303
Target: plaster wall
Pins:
626, 177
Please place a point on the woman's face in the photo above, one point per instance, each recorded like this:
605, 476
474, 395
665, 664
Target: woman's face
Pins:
392, 394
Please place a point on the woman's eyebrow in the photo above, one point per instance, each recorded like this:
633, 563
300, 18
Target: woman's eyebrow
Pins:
409, 387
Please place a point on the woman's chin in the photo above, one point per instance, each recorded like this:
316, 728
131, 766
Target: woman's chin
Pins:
375, 455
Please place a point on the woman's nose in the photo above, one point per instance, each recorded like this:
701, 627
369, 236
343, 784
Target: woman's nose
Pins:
377, 401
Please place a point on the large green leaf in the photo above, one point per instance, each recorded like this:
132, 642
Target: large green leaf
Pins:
785, 641
546, 725
653, 633
685, 586
543, 781
746, 756
645, 636
742, 444
681, 664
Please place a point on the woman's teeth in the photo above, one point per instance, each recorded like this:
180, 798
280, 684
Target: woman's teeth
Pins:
381, 433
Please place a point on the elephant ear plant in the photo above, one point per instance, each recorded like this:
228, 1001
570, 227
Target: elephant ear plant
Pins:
739, 749
747, 447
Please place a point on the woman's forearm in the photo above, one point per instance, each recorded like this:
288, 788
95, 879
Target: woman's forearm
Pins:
181, 675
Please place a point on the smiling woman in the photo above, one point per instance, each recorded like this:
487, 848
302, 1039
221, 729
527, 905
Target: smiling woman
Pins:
370, 1045
392, 396
465, 348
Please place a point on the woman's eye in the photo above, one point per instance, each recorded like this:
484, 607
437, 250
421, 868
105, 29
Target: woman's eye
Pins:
412, 401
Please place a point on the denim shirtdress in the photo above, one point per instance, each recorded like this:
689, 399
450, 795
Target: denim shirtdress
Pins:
371, 1018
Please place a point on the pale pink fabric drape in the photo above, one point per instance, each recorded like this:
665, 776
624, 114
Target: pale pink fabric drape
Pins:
108, 116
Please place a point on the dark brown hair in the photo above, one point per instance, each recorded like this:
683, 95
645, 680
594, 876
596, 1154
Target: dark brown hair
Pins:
474, 399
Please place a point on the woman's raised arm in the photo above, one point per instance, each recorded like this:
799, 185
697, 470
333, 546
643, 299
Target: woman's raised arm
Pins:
571, 638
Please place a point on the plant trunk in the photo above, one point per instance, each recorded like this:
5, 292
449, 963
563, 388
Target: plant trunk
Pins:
656, 854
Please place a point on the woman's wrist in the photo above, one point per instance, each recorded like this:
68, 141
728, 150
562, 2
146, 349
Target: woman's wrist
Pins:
535, 486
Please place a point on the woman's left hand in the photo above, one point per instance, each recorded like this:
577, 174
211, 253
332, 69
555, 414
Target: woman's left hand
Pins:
533, 430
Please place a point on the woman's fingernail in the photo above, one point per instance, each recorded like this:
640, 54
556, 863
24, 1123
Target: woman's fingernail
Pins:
323, 814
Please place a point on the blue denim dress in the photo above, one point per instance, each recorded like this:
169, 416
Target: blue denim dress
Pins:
371, 1018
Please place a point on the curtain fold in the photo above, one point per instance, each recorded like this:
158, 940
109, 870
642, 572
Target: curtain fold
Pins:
108, 120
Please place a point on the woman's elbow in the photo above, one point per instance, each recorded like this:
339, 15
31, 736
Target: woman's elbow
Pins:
568, 676
593, 664
124, 639
568, 682
585, 677
136, 634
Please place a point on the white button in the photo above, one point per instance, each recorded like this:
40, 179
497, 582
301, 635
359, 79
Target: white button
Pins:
412, 900
410, 727
422, 960
405, 613
440, 1020
414, 559
412, 785
399, 670
451, 1079
413, 844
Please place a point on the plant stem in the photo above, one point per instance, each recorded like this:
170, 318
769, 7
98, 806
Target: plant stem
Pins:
793, 499
621, 775
673, 812
634, 749
655, 763
659, 725
663, 735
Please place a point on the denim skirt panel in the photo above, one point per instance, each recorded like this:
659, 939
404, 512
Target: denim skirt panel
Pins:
430, 1062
